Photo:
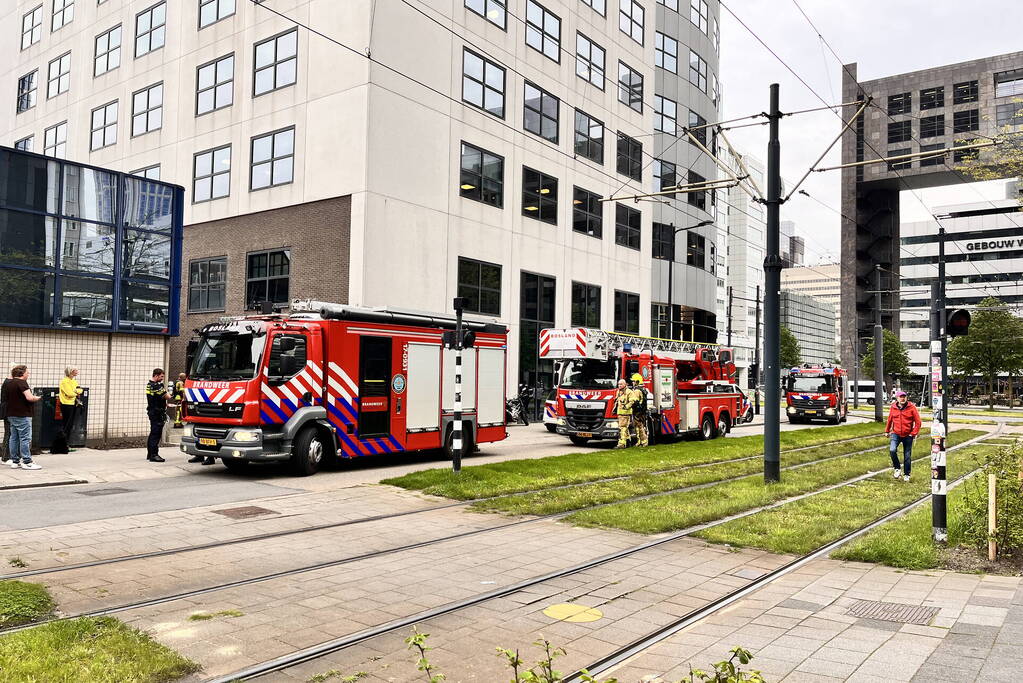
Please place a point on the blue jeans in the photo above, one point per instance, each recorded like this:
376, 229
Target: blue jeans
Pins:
21, 439
907, 452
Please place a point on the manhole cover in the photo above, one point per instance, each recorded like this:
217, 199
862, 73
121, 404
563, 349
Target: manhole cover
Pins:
104, 492
893, 611
245, 512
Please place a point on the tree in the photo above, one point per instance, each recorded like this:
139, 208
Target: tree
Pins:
789, 353
1004, 160
993, 346
895, 356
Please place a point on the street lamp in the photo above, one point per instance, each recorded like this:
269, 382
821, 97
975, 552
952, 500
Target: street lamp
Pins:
671, 272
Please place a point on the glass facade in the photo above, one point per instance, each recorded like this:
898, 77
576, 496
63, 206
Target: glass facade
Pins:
86, 248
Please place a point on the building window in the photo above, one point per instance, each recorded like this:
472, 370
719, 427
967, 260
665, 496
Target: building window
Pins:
966, 154
666, 52
211, 174
697, 126
273, 159
147, 110
599, 6
630, 157
59, 75
104, 126
24, 144
966, 121
32, 27
589, 137
55, 140
206, 281
480, 283
482, 176
900, 165
27, 91
936, 160
276, 63
214, 85
540, 113
627, 226
932, 126
630, 19
539, 196
697, 198
149, 172
585, 305
494, 11
899, 131
630, 87
1009, 114
699, 14
212, 11
483, 83
537, 298
108, 51
932, 98
670, 4
150, 29
543, 30
587, 213
589, 60
664, 241
63, 13
1007, 83
900, 104
626, 312
665, 115
266, 278
697, 71
964, 93
665, 175
696, 250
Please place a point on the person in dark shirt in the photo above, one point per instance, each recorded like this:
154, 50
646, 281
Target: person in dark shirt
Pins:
156, 408
18, 400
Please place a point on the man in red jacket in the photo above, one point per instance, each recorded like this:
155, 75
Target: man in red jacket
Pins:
903, 425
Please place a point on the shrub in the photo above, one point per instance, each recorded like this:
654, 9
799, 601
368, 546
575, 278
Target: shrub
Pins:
1007, 466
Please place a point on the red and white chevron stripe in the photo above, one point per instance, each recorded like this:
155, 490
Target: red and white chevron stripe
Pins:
339, 383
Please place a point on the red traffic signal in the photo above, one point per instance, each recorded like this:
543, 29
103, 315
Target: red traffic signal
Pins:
957, 324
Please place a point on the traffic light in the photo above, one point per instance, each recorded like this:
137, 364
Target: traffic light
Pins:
468, 339
957, 323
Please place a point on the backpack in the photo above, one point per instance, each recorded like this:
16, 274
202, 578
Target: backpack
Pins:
641, 407
3, 400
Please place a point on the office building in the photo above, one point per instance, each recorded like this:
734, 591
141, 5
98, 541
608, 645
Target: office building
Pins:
821, 282
791, 246
812, 321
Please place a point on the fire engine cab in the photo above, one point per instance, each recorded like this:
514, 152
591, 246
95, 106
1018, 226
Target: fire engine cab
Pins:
689, 386
331, 380
817, 392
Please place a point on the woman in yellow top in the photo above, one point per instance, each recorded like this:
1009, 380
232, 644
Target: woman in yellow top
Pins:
69, 393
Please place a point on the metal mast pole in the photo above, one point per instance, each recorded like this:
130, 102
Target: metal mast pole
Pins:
878, 353
856, 369
939, 430
756, 360
456, 428
729, 316
772, 302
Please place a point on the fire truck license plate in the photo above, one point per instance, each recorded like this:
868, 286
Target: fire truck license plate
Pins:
585, 434
811, 412
207, 442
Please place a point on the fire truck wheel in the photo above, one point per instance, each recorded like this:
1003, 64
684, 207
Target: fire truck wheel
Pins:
724, 424
578, 440
235, 465
467, 444
307, 452
551, 428
707, 428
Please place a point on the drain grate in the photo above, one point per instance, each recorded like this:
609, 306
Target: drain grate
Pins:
104, 492
893, 611
245, 512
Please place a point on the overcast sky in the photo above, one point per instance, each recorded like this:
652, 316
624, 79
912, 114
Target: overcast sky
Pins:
884, 38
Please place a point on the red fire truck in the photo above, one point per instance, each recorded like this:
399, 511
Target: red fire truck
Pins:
688, 385
815, 392
331, 380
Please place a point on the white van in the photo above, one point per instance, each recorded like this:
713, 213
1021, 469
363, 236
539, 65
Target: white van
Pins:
865, 391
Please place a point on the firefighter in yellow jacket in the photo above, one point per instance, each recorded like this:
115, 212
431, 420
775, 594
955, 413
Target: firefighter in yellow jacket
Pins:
639, 410
624, 400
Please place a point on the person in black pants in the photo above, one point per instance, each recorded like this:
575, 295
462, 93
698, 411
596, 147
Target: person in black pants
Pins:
156, 408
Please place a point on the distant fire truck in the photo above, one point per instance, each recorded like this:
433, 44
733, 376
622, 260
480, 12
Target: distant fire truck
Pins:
815, 392
331, 380
689, 385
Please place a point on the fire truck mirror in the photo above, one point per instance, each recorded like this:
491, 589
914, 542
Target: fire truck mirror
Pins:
631, 367
287, 344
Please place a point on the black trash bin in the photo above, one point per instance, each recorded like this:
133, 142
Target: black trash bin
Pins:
45, 425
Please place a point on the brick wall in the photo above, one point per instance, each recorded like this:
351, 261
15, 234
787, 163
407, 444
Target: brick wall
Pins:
316, 233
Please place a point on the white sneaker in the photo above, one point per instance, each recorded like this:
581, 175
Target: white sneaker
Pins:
15, 465
31, 466
905, 478
896, 474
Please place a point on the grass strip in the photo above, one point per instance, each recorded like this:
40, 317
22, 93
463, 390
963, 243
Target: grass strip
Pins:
22, 603
88, 650
680, 510
954, 412
516, 476
587, 495
805, 525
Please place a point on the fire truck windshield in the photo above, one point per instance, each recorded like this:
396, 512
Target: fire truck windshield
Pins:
227, 356
810, 385
588, 373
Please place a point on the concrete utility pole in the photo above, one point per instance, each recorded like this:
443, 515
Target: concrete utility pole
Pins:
756, 360
878, 353
772, 300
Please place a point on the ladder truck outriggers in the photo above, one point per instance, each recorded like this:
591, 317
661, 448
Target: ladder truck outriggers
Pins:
690, 386
817, 392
